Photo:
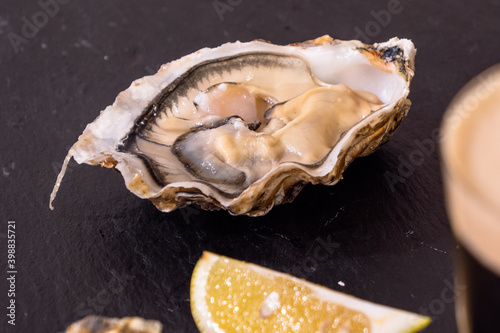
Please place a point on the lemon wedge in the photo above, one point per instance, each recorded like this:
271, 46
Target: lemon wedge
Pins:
228, 295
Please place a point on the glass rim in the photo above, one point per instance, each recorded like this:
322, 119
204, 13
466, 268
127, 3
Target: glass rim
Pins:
457, 112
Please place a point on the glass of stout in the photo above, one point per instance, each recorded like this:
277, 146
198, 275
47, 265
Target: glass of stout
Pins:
470, 150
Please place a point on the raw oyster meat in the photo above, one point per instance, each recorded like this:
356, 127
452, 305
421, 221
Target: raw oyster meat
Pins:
98, 324
245, 126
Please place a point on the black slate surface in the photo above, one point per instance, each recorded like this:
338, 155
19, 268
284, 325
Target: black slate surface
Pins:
105, 251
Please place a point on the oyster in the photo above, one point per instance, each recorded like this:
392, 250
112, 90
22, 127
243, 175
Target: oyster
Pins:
245, 126
98, 324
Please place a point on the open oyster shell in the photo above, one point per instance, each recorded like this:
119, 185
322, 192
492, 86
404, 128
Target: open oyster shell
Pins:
99, 324
245, 126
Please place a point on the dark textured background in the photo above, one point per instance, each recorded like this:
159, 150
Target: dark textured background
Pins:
103, 250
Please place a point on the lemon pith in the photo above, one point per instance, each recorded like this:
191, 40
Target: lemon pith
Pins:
232, 296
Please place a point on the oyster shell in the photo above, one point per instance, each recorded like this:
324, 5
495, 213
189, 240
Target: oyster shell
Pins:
98, 324
246, 126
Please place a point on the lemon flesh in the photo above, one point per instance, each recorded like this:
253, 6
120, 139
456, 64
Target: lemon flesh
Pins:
228, 295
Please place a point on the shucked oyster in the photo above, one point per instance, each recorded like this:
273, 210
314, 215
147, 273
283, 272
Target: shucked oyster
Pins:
98, 324
246, 126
